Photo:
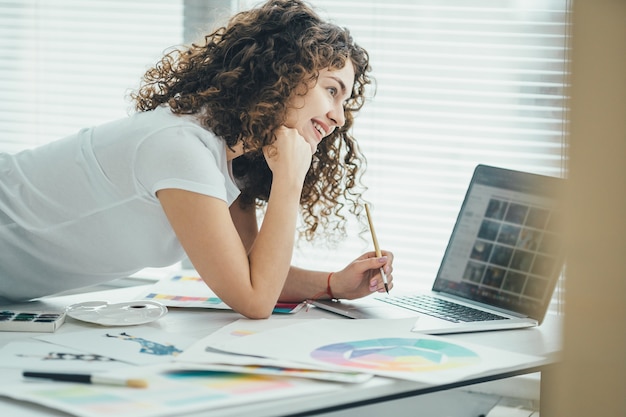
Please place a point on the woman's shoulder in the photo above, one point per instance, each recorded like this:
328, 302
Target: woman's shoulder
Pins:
149, 135
180, 137
162, 121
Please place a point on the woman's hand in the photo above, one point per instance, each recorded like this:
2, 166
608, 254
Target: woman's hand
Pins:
289, 156
362, 276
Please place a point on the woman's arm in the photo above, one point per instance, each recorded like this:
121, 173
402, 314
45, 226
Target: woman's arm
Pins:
352, 282
245, 222
359, 278
248, 279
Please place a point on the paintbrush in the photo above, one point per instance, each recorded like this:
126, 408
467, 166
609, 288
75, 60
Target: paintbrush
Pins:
376, 247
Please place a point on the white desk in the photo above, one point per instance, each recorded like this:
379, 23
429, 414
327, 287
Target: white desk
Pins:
543, 341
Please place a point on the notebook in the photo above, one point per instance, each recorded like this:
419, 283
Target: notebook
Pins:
502, 261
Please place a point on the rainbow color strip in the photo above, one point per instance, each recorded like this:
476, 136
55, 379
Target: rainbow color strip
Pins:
183, 298
186, 278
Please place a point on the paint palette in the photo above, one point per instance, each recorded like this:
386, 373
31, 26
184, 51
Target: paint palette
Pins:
31, 321
129, 313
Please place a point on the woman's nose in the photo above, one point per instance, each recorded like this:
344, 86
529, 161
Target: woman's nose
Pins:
337, 115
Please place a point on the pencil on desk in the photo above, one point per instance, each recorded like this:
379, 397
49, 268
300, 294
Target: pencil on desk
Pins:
376, 247
87, 379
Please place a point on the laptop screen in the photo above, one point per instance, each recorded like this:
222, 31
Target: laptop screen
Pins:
505, 249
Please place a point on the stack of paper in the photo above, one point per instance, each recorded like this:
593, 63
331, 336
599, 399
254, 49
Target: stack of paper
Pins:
374, 347
244, 362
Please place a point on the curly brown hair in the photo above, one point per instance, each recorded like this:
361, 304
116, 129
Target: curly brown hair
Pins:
239, 82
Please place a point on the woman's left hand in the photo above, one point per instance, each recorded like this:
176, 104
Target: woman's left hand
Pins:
362, 276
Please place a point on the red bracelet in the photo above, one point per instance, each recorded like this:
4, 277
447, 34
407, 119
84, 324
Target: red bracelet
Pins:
328, 290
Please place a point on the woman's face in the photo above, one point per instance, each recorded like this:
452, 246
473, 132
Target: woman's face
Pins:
317, 113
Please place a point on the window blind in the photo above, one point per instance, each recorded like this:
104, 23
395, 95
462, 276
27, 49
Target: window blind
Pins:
68, 64
457, 84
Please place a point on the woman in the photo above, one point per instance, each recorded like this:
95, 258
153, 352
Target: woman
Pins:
257, 116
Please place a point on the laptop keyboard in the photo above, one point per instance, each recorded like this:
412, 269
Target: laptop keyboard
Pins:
442, 309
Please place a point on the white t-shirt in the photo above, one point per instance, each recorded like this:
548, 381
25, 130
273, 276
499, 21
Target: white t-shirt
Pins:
83, 210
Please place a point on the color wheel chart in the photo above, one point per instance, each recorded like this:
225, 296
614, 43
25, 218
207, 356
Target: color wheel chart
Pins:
397, 355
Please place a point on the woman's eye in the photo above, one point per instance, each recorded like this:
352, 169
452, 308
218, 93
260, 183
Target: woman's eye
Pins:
332, 91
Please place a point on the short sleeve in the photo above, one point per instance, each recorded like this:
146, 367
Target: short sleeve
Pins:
179, 157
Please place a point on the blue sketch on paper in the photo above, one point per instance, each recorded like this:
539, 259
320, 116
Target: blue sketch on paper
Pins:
148, 346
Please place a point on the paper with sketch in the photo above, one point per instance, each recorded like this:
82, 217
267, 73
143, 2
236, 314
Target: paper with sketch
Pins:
42, 356
204, 350
382, 347
170, 392
201, 355
136, 345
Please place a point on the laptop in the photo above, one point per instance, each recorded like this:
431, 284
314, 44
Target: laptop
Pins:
500, 267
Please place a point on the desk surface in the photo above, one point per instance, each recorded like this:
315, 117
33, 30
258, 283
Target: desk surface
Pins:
542, 341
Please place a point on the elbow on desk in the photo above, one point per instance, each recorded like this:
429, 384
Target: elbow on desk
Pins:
245, 301
256, 315
254, 309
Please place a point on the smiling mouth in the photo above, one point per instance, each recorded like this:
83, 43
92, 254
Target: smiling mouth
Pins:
320, 129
